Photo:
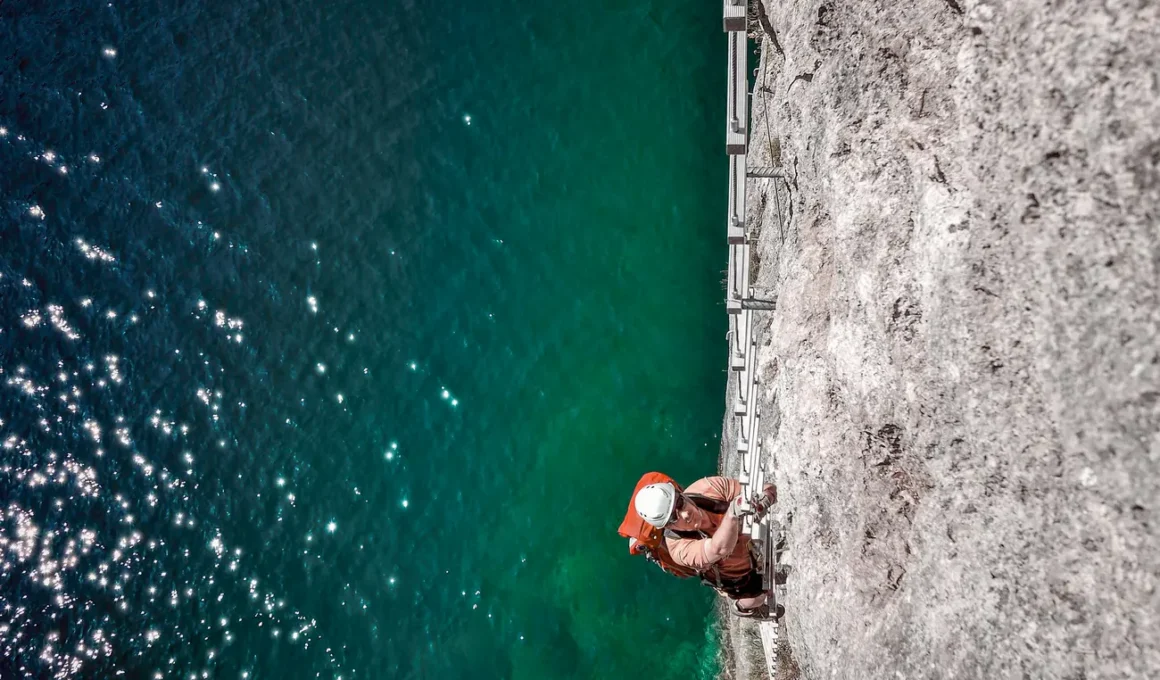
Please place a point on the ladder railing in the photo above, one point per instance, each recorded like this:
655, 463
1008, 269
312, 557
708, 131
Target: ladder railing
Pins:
740, 303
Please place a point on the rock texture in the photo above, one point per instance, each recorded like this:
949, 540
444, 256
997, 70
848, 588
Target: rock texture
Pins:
961, 382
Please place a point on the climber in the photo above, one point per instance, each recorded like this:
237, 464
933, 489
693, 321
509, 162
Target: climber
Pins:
697, 531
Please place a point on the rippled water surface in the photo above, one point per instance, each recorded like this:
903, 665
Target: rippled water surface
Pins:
333, 336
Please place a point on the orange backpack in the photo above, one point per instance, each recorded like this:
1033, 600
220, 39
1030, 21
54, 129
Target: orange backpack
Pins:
649, 539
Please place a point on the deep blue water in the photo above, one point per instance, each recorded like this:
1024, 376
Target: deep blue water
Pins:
334, 336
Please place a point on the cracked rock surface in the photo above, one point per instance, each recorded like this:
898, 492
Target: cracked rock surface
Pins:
961, 380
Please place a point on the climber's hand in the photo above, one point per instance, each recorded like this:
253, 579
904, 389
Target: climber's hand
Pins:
738, 509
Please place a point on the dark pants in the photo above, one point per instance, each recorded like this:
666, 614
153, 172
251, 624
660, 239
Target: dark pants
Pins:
749, 585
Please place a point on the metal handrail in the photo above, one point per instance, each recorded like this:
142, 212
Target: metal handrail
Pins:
742, 344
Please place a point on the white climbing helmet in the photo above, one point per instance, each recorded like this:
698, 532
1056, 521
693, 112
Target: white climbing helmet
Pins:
655, 502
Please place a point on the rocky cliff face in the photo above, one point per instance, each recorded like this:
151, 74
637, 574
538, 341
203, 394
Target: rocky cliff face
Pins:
961, 381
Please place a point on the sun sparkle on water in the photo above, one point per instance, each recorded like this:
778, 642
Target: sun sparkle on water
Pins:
117, 561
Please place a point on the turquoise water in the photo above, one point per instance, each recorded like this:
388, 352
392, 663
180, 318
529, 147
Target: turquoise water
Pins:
348, 329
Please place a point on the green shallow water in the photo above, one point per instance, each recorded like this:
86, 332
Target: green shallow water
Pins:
507, 219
